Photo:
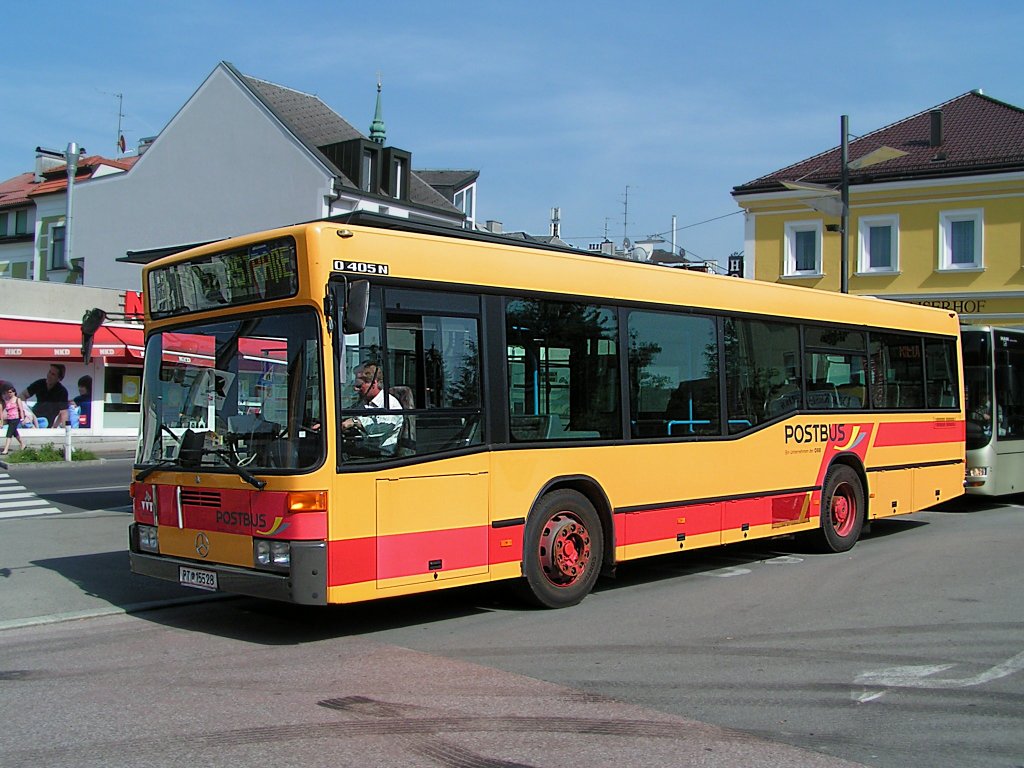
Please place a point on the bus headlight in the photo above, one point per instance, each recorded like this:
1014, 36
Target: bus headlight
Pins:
268, 553
148, 538
976, 477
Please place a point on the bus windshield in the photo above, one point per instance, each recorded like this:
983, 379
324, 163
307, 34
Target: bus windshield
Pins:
241, 395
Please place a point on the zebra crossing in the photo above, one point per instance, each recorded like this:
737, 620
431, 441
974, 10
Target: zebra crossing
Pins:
17, 501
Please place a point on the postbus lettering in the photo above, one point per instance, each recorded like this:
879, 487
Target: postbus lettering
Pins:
245, 519
815, 433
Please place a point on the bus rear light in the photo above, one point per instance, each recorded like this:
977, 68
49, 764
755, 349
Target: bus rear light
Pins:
307, 501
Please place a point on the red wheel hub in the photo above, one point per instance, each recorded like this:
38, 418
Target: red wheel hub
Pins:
844, 510
564, 549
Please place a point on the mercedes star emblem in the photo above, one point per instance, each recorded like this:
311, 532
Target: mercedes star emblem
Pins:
202, 544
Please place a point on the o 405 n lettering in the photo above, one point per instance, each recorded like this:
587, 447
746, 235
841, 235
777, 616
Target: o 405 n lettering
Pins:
361, 267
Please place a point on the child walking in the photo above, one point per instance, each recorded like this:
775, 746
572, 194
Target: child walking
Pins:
14, 412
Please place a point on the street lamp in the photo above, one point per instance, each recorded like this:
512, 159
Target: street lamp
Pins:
827, 202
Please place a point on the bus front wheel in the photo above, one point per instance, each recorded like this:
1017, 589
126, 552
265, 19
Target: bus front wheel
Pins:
562, 549
842, 509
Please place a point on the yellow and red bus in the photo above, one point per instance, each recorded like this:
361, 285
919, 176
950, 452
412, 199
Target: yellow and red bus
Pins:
542, 415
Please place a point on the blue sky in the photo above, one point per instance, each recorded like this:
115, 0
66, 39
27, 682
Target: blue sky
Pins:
555, 103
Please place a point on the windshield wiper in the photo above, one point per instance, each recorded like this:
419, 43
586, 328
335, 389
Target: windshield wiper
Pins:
153, 468
232, 463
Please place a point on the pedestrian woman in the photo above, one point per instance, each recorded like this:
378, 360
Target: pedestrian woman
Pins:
14, 412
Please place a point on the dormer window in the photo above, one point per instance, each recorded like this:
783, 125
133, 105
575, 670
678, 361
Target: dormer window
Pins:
399, 187
367, 172
396, 173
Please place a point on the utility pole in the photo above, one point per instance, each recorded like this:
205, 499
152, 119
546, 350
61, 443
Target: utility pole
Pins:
844, 191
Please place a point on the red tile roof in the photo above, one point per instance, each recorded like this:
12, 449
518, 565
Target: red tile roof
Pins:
14, 192
979, 135
20, 190
56, 178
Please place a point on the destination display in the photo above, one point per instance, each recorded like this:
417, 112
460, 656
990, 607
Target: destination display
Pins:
260, 272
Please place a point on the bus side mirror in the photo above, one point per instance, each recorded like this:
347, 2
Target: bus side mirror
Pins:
91, 322
357, 305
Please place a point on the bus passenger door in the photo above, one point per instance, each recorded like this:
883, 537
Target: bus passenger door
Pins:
431, 528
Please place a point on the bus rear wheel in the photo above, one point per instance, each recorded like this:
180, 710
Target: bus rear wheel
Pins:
842, 510
563, 548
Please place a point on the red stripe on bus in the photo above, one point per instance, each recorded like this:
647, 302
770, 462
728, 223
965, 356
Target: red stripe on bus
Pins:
919, 433
666, 523
711, 517
505, 545
407, 554
351, 561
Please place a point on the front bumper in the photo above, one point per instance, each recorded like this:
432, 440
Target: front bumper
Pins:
305, 584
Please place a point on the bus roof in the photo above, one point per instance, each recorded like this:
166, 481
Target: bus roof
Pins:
548, 268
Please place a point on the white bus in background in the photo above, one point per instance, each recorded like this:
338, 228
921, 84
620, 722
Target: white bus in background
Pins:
994, 383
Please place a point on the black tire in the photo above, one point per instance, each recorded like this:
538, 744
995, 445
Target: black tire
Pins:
563, 547
842, 510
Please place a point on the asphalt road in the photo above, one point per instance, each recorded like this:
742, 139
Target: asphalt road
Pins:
909, 649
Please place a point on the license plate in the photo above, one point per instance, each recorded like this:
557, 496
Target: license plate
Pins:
193, 577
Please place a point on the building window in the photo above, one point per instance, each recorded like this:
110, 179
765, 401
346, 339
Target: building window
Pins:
3, 225
878, 244
464, 201
367, 171
803, 249
399, 189
21, 222
960, 239
58, 251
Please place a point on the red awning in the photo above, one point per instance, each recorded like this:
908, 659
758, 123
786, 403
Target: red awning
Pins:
55, 341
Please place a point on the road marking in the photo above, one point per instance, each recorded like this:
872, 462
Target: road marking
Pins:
90, 489
920, 676
725, 573
17, 501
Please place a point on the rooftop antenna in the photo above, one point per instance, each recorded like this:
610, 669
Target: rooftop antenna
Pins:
120, 117
625, 219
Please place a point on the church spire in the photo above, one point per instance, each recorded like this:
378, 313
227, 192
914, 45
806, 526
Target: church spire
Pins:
377, 132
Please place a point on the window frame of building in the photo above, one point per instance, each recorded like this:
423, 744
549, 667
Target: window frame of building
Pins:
864, 250
946, 239
792, 230
58, 257
465, 201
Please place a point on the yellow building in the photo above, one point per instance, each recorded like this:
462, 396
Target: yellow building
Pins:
939, 222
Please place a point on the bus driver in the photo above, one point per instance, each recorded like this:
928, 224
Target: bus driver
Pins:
383, 429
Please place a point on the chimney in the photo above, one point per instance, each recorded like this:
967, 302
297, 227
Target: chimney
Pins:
494, 226
936, 135
145, 144
47, 160
556, 222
